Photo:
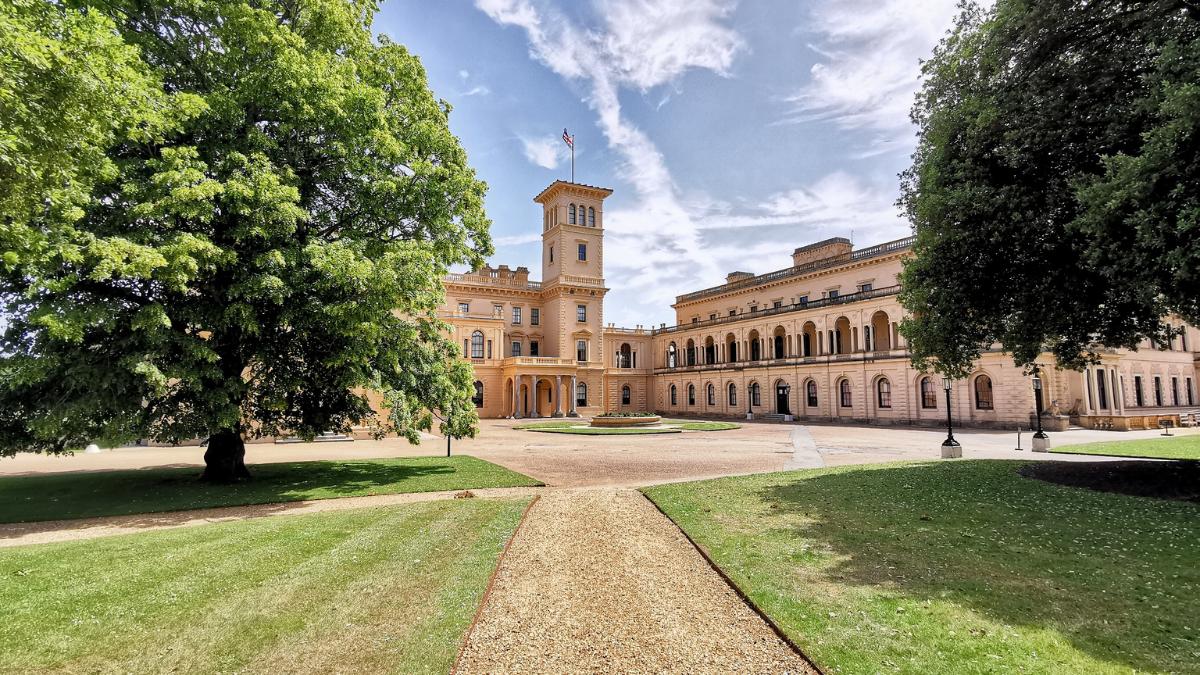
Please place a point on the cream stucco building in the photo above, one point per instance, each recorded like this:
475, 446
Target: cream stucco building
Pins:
817, 340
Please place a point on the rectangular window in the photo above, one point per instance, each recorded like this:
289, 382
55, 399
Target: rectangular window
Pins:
581, 313
464, 308
533, 348
583, 251
551, 254
863, 288
581, 350
753, 308
1191, 395
516, 348
777, 304
712, 317
489, 352
498, 311
516, 315
833, 294
1138, 398
802, 300
733, 312
695, 319
1158, 399
1174, 391
535, 316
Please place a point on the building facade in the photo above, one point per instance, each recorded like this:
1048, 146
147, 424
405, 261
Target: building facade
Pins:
815, 341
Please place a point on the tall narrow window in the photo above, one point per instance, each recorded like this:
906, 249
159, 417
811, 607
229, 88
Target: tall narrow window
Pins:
732, 394
581, 394
535, 316
551, 254
583, 251
477, 344
1174, 391
516, 315
671, 355
712, 394
571, 214
1101, 390
1138, 397
1191, 394
844, 390
516, 348
928, 393
626, 395
811, 391
755, 395
581, 350
533, 348
1158, 399
884, 393
983, 393
591, 216
691, 394
581, 313
674, 396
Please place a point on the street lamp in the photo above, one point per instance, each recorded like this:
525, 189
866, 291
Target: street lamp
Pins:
1041, 442
950, 447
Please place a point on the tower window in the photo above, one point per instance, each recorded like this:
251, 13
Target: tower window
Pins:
583, 251
571, 214
581, 313
551, 254
591, 216
535, 316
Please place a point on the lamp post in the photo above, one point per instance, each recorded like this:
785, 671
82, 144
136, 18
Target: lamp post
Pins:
950, 447
1041, 442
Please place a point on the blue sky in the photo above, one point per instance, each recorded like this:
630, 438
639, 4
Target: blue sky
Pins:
731, 132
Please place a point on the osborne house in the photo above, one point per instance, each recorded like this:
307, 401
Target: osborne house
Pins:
815, 341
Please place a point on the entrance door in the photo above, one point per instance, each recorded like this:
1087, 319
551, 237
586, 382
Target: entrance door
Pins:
782, 394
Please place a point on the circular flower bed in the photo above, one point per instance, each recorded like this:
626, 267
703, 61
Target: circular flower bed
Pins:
622, 420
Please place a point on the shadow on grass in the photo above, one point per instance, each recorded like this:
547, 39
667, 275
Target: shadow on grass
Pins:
113, 493
1116, 576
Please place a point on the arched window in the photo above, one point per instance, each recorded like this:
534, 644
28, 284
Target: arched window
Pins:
712, 394
844, 388
755, 395
671, 355
674, 396
983, 393
625, 395
732, 394
478, 397
883, 389
691, 394
928, 393
591, 216
571, 214
581, 394
811, 390
477, 344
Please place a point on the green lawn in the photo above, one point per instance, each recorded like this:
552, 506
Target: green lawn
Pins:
1183, 446
363, 590
80, 495
956, 567
604, 431
694, 425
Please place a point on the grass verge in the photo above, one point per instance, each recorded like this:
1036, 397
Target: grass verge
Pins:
107, 493
604, 431
365, 590
693, 425
958, 567
1184, 446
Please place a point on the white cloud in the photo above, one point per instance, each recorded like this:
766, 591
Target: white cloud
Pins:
545, 151
464, 74
870, 65
477, 90
517, 239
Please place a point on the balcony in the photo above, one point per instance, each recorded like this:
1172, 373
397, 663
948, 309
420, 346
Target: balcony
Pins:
785, 309
790, 361
543, 361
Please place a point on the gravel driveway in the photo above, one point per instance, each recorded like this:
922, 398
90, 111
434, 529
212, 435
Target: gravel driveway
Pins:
599, 581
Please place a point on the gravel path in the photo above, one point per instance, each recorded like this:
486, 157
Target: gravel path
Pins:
19, 534
599, 581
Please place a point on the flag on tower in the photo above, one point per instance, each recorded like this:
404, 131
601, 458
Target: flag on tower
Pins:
568, 139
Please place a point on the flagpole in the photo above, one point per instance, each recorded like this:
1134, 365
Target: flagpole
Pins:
572, 159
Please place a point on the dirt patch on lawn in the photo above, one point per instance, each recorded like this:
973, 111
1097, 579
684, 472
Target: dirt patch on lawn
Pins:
1178, 480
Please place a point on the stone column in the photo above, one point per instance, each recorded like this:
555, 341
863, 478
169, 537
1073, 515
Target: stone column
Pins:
571, 400
557, 396
517, 406
533, 397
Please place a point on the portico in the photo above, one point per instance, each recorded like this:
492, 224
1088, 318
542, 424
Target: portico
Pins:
535, 386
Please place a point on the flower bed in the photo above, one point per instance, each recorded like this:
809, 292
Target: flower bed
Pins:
617, 421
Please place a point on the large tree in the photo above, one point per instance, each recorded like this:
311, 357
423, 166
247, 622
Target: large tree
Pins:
1055, 190
259, 220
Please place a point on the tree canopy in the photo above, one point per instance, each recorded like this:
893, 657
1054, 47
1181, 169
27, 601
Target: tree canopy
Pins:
229, 218
1055, 189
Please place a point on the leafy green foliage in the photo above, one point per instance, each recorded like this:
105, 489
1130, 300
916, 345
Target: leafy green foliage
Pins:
1054, 190
260, 203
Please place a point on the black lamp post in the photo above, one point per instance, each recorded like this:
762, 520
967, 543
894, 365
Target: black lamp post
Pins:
1037, 402
950, 447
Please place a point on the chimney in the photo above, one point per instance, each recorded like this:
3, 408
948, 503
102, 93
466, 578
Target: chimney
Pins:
822, 250
738, 276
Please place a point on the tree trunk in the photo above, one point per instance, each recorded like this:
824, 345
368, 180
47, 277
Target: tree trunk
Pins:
225, 458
